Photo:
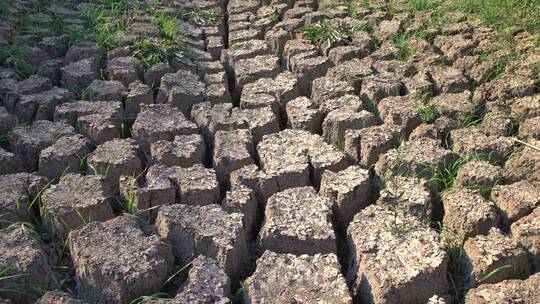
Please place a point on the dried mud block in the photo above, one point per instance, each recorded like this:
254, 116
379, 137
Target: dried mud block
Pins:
516, 200
467, 213
124, 69
106, 90
184, 151
339, 121
285, 278
28, 142
113, 159
526, 231
23, 262
292, 156
349, 189
205, 230
509, 291
479, 174
524, 165
408, 194
263, 184
79, 75
41, 106
138, 93
172, 123
116, 262
400, 111
493, 258
394, 260
75, 201
303, 114
11, 163
57, 296
471, 141
243, 200
66, 155
232, 150
298, 221
368, 144
18, 191
376, 88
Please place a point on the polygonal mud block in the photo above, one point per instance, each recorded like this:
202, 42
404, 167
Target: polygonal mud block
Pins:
18, 192
449, 80
508, 291
185, 151
186, 91
243, 200
383, 265
41, 106
408, 194
325, 88
100, 121
423, 157
525, 107
263, 184
105, 90
31, 85
211, 119
467, 213
84, 50
66, 155
205, 230
171, 123
294, 47
375, 88
349, 189
387, 28
419, 85
298, 221
196, 185
124, 69
368, 144
303, 114
11, 163
23, 263
78, 75
27, 142
455, 105
113, 159
57, 296
249, 70
524, 165
352, 71
309, 69
529, 128
526, 231
426, 131
293, 156
249, 49
479, 174
339, 121
218, 93
152, 77
138, 93
398, 67
286, 278
116, 262
7, 121
516, 200
260, 100
206, 283
400, 111
456, 46
75, 201
260, 121
348, 102
342, 54
471, 141
232, 151
486, 258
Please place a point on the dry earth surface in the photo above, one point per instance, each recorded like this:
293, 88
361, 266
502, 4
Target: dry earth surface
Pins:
278, 151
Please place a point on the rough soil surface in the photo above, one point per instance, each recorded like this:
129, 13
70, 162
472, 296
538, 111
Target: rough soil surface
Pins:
277, 151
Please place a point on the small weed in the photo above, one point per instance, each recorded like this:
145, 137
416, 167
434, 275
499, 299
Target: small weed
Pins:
428, 113
445, 176
170, 27
537, 70
274, 17
422, 5
324, 31
151, 52
500, 64
239, 45
453, 244
404, 53
201, 18
338, 145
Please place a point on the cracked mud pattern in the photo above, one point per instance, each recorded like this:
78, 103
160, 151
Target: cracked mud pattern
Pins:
278, 151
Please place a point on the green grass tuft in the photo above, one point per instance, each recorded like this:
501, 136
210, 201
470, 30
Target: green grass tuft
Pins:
428, 113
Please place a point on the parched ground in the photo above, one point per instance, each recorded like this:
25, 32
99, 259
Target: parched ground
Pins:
249, 151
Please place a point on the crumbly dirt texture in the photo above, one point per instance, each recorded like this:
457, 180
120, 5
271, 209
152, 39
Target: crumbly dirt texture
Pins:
276, 151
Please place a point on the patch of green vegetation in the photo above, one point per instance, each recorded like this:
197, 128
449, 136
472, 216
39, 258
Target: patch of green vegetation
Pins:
199, 17
500, 63
170, 27
453, 245
400, 41
428, 113
324, 31
423, 5
13, 55
445, 176
537, 70
274, 17
109, 33
150, 52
